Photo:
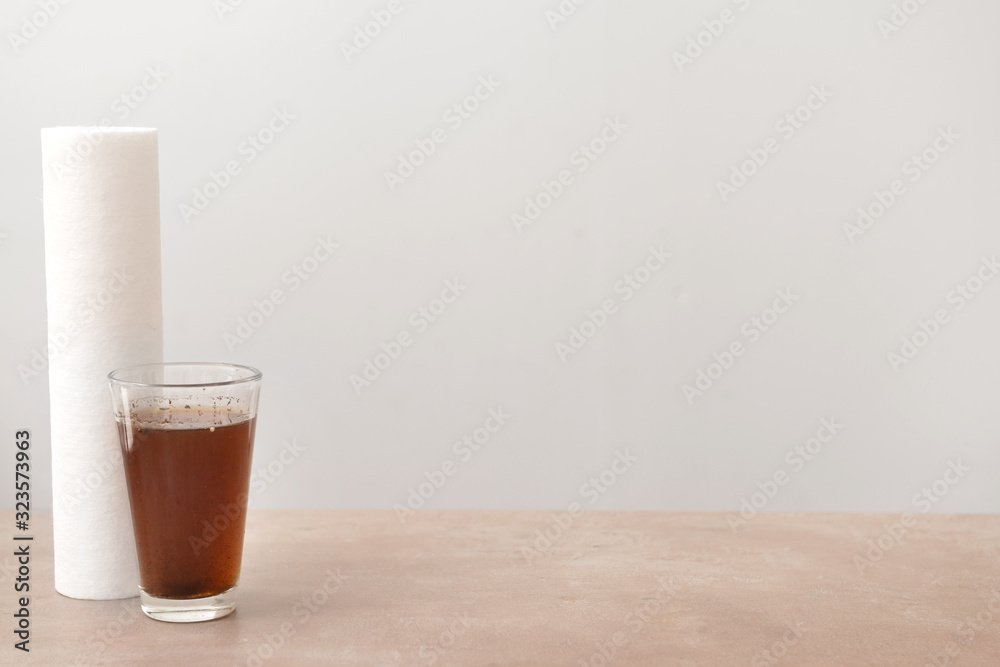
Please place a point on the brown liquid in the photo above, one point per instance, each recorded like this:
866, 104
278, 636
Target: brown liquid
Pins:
188, 474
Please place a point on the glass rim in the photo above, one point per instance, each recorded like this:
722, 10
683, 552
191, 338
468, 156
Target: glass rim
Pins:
254, 375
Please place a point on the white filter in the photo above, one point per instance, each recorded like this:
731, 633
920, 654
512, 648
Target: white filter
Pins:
101, 204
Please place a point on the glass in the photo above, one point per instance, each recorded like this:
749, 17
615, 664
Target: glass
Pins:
186, 431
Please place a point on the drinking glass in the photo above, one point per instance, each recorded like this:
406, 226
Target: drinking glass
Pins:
186, 432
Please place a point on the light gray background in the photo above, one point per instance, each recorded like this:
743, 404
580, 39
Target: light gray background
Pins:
223, 75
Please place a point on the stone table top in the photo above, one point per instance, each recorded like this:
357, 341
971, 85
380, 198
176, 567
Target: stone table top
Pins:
362, 587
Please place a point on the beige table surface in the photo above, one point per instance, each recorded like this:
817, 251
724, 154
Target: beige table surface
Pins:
353, 587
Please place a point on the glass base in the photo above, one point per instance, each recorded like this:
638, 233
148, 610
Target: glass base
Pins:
189, 611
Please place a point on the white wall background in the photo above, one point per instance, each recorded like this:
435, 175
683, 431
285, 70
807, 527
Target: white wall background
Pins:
222, 77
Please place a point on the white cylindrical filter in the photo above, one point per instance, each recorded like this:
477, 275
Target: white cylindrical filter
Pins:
101, 205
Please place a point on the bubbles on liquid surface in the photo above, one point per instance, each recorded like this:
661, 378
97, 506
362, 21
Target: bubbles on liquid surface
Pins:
185, 414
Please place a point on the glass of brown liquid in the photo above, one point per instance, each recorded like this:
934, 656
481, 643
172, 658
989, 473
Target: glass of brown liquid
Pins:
186, 431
